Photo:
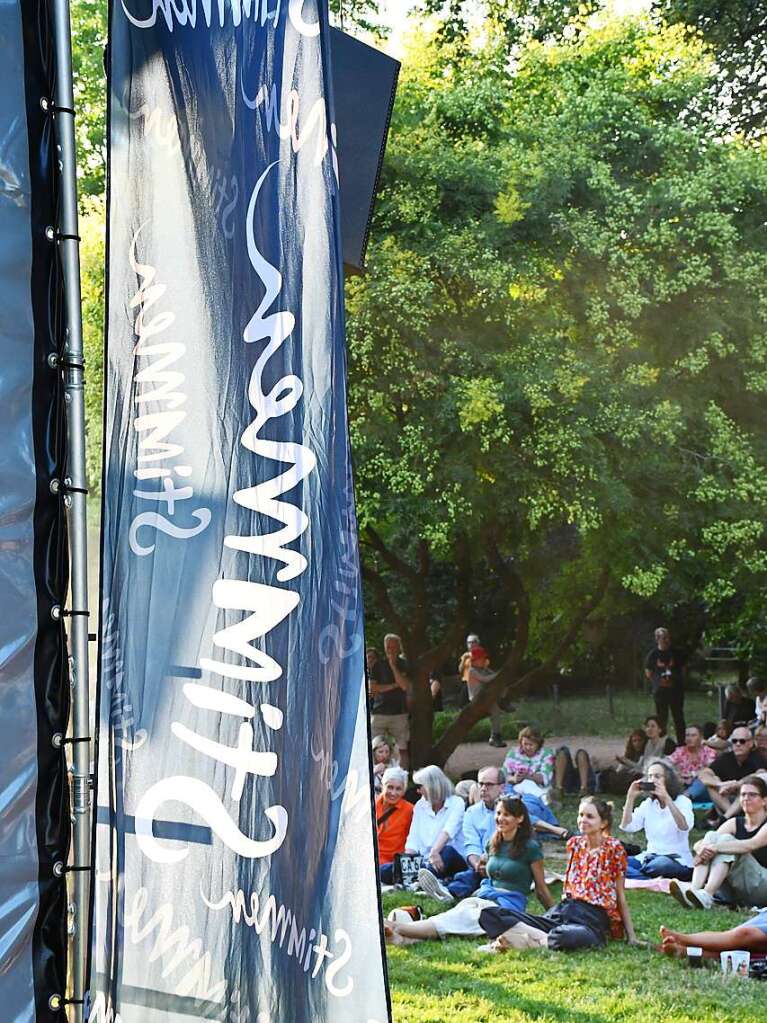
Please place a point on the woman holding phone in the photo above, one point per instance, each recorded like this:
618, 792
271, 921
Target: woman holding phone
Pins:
666, 817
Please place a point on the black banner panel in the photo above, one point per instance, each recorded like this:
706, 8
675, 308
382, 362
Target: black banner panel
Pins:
34, 810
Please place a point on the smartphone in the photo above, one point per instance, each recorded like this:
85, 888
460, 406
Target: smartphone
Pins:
647, 786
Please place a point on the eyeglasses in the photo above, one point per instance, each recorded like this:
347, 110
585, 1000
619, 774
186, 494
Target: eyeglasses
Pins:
740, 742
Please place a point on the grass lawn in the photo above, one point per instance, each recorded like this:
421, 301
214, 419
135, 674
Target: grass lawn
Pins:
451, 982
584, 715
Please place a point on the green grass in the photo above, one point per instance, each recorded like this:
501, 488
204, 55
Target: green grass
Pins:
583, 715
451, 982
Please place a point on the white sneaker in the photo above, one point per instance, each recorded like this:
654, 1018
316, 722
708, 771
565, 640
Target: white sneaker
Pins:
430, 884
698, 898
679, 890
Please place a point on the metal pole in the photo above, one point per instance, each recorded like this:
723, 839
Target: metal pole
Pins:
70, 256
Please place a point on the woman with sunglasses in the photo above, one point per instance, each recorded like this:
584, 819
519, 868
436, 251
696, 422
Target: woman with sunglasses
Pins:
734, 856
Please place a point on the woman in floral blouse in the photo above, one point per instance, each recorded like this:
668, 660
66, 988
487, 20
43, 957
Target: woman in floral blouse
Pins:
594, 907
530, 767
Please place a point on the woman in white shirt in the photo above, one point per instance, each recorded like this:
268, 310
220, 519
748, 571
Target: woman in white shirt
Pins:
666, 817
436, 832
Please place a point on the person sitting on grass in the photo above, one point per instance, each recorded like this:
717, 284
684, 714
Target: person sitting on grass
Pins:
722, 779
436, 832
666, 817
594, 906
734, 856
689, 760
530, 767
479, 825
617, 779
383, 757
394, 815
748, 937
719, 739
513, 862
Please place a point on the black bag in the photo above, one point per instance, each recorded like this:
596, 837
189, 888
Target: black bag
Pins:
406, 868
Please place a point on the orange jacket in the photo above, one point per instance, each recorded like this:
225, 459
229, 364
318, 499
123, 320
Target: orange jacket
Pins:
394, 830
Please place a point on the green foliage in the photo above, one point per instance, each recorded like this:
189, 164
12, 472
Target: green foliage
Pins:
556, 356
737, 32
92, 286
89, 36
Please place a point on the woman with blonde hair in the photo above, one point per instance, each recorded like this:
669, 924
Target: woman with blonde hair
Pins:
436, 832
383, 758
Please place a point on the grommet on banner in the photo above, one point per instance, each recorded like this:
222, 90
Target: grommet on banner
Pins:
56, 612
55, 1003
57, 740
58, 869
53, 360
55, 486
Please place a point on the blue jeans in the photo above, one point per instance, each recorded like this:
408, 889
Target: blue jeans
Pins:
697, 792
452, 863
386, 873
465, 883
506, 900
657, 866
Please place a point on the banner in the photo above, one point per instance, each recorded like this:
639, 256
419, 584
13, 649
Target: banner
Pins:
34, 822
235, 864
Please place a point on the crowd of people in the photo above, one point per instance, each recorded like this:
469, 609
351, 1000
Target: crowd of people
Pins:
479, 847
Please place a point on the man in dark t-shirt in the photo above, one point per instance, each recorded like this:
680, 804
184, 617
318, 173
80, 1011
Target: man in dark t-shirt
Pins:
665, 669
723, 777
389, 689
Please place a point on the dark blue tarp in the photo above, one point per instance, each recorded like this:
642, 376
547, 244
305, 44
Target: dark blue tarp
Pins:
234, 849
34, 814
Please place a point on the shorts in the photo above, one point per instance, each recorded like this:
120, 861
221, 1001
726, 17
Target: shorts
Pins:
395, 725
462, 921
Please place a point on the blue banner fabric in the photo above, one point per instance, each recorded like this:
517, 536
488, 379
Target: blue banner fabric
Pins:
234, 850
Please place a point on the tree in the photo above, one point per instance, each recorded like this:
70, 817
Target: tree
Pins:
737, 31
555, 367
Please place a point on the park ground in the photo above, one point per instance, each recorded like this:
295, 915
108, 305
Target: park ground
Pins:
452, 982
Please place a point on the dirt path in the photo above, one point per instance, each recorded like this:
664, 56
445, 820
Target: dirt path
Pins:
473, 755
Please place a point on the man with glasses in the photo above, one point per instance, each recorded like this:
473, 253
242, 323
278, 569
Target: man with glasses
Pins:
722, 779
478, 829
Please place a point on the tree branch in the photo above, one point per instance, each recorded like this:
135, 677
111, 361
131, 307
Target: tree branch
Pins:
384, 601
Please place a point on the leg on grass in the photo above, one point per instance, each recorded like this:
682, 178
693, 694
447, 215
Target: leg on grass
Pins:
717, 875
749, 939
583, 764
418, 930
563, 765
521, 935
